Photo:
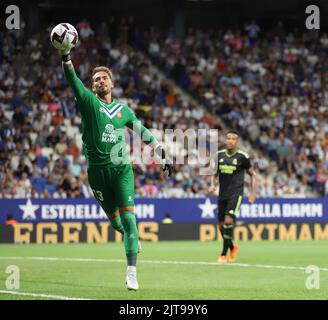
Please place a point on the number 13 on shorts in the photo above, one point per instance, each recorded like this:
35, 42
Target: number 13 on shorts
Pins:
98, 195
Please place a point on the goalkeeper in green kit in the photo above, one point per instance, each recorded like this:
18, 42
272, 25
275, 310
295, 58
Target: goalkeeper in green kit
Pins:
109, 169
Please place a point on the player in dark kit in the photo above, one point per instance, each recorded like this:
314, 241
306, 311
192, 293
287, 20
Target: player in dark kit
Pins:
231, 164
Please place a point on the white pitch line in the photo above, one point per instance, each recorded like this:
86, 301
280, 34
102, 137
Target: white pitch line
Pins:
40, 295
203, 263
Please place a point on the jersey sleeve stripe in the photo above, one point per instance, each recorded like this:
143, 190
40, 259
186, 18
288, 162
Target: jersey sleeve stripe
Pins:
243, 153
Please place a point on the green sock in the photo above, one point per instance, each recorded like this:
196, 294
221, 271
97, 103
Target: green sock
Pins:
130, 237
117, 224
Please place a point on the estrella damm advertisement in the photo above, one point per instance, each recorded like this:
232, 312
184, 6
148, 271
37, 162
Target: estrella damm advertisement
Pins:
198, 210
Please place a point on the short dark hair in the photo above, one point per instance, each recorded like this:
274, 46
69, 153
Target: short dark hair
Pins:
101, 68
234, 132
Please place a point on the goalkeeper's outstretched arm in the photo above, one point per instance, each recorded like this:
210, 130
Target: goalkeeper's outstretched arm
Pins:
76, 84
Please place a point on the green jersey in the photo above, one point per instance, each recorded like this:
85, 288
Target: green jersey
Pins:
103, 126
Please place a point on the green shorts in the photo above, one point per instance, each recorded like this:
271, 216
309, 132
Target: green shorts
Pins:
113, 187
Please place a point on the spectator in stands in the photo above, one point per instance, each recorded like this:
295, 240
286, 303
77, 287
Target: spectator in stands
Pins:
52, 139
74, 190
84, 29
23, 186
61, 147
76, 167
167, 219
60, 194
46, 194
10, 219
150, 190
253, 29
24, 166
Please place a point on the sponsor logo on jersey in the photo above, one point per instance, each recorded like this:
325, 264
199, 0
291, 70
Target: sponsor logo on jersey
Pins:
109, 134
109, 137
227, 169
109, 128
234, 162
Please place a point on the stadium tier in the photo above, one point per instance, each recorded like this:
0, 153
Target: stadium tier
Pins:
254, 82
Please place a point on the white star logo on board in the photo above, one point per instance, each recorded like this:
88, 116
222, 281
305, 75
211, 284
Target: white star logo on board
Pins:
29, 210
207, 209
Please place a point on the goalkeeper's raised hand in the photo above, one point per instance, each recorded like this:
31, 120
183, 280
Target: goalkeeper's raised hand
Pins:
166, 163
167, 167
65, 54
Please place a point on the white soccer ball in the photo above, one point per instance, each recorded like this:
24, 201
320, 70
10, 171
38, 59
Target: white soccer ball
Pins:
64, 37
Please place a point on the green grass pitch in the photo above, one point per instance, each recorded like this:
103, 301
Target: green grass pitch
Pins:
168, 270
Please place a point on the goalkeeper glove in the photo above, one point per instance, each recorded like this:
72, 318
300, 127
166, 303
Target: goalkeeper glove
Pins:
167, 167
166, 164
65, 54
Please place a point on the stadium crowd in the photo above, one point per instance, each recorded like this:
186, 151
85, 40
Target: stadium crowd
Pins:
232, 75
40, 146
271, 86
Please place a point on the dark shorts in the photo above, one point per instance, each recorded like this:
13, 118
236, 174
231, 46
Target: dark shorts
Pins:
113, 187
229, 207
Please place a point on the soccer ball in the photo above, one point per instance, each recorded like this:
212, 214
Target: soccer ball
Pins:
64, 37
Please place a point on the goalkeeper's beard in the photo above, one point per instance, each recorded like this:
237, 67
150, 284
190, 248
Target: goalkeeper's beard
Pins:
103, 93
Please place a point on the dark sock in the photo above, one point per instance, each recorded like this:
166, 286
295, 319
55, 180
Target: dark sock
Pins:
227, 238
131, 259
221, 231
231, 235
